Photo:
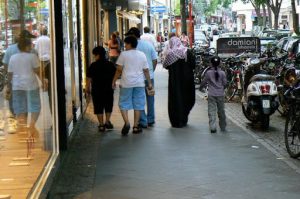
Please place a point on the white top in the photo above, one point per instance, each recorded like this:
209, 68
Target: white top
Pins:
22, 66
43, 48
149, 37
133, 62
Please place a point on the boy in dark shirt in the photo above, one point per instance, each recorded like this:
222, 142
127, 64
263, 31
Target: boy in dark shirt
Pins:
99, 79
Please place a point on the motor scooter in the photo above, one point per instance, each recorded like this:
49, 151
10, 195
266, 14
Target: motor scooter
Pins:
260, 94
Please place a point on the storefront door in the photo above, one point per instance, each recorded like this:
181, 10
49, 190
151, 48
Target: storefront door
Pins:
72, 80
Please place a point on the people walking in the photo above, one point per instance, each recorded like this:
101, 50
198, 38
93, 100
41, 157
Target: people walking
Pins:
114, 48
147, 118
99, 77
120, 42
149, 37
181, 90
132, 65
215, 79
42, 46
10, 51
23, 70
166, 47
184, 39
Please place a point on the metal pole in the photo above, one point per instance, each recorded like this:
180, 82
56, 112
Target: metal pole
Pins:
191, 30
183, 15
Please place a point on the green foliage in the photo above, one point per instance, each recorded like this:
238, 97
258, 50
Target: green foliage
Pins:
226, 3
214, 4
199, 6
177, 7
255, 3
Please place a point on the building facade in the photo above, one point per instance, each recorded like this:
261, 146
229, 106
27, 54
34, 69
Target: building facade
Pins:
245, 14
40, 107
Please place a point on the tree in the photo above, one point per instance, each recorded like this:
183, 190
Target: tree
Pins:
275, 7
256, 5
226, 3
295, 18
183, 15
214, 4
177, 7
212, 7
199, 6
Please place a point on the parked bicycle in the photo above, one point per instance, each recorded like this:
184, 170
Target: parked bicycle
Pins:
292, 124
234, 71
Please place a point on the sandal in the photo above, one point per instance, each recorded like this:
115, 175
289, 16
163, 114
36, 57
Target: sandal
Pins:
137, 130
109, 125
125, 129
101, 127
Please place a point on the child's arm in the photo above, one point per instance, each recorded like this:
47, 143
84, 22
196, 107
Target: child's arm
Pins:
203, 82
117, 75
88, 86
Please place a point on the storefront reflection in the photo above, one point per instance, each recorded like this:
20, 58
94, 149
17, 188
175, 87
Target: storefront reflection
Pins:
24, 154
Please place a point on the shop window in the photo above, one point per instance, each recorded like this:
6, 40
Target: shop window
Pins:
26, 101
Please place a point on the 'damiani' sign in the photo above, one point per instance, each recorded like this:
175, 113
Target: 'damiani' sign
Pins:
238, 45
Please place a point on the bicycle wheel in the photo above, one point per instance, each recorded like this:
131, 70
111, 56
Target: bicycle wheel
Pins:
292, 135
230, 92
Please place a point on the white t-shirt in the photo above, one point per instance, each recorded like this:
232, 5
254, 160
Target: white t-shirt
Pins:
22, 66
43, 47
133, 62
150, 38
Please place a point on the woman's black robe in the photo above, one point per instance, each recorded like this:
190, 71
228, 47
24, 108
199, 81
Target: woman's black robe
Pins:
181, 91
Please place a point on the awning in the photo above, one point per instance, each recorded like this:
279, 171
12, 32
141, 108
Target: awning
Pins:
130, 17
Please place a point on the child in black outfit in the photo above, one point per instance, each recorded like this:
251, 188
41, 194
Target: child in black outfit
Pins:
100, 75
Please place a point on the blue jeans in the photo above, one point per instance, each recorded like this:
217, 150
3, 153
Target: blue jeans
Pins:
148, 117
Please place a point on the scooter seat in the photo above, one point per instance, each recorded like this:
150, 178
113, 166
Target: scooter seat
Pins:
262, 77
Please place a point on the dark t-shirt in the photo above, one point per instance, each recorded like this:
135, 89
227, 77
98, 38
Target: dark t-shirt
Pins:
101, 72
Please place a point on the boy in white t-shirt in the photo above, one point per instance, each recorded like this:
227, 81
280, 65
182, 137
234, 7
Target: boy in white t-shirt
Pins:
133, 66
23, 69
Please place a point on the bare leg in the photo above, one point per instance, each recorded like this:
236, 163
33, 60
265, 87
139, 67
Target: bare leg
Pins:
34, 118
125, 116
100, 119
137, 115
107, 119
33, 131
22, 121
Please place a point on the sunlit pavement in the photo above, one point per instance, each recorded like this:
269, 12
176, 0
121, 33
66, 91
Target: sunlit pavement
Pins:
170, 163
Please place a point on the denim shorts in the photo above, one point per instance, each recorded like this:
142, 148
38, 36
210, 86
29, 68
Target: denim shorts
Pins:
26, 101
132, 98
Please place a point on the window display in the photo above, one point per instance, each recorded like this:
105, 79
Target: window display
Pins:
27, 140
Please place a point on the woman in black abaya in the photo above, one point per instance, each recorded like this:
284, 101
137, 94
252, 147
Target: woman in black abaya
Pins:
181, 91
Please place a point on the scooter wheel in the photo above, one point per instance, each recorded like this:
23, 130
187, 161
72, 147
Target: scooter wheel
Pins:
265, 121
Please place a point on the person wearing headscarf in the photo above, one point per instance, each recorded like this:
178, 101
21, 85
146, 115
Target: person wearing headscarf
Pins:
180, 63
215, 79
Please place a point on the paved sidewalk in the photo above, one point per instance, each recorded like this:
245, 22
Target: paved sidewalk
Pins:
170, 163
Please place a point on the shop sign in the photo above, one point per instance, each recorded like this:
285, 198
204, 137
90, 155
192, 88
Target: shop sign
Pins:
235, 45
159, 9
